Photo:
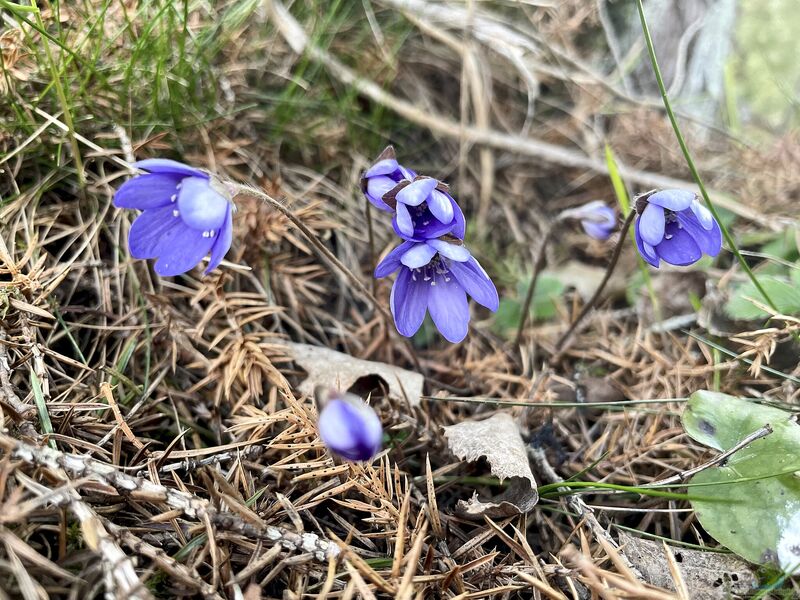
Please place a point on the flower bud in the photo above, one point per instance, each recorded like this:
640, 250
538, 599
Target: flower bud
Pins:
348, 426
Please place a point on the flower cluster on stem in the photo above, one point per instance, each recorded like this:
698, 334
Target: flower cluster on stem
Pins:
436, 270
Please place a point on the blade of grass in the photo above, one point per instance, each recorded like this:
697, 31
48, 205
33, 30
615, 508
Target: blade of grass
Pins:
690, 163
41, 407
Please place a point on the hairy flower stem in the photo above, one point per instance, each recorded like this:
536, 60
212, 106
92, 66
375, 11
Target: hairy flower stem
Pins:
537, 268
623, 234
690, 163
324, 253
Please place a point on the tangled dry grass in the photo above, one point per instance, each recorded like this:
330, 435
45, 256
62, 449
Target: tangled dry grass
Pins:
154, 442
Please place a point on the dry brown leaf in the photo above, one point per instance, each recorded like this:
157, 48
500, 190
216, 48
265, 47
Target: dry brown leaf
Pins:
340, 371
499, 440
708, 575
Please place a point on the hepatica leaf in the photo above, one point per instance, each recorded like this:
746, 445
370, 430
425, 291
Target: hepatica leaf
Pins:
757, 519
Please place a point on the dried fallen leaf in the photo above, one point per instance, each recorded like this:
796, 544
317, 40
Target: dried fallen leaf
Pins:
708, 575
499, 440
341, 371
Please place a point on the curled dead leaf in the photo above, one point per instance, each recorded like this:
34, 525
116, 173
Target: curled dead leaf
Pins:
499, 440
340, 371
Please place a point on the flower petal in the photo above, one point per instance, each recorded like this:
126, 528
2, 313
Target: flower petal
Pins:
449, 309
181, 250
460, 227
678, 247
416, 192
376, 188
476, 283
672, 199
201, 207
418, 256
149, 230
440, 206
703, 215
164, 165
351, 430
382, 167
651, 224
451, 251
646, 250
147, 191
409, 302
391, 262
708, 240
223, 239
599, 231
403, 220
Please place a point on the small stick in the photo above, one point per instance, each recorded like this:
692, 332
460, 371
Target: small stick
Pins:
143, 490
326, 255
623, 234
579, 506
537, 268
720, 459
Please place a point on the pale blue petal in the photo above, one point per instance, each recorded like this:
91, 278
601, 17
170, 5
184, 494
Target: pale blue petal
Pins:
451, 251
704, 216
440, 206
651, 224
416, 192
418, 256
646, 250
672, 199
201, 207
222, 243
403, 220
386, 166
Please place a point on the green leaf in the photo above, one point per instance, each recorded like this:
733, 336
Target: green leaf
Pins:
784, 294
750, 504
544, 306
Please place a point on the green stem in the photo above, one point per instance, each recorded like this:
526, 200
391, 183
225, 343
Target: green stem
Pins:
685, 149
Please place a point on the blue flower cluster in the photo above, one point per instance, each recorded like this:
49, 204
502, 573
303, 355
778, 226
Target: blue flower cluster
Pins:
437, 272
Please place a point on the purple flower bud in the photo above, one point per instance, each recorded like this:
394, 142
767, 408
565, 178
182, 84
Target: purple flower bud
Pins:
673, 226
382, 176
436, 276
349, 427
186, 215
423, 207
597, 219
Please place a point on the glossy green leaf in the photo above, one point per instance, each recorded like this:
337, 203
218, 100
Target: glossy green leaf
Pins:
751, 503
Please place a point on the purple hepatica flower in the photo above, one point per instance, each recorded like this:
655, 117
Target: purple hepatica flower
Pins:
672, 225
424, 210
382, 176
436, 276
597, 219
350, 428
186, 215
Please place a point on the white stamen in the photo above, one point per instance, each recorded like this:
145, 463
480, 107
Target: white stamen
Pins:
175, 213
173, 197
668, 236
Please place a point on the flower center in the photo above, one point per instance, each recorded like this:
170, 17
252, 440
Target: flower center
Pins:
439, 267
